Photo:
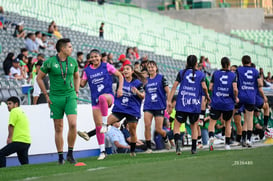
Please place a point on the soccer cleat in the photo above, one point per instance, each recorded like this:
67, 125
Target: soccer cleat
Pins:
167, 144
211, 141
84, 135
248, 143
132, 154
265, 129
244, 143
227, 147
70, 159
103, 128
61, 162
236, 143
149, 150
199, 146
193, 152
177, 149
102, 156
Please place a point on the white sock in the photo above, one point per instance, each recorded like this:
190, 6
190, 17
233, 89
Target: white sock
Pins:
104, 119
102, 147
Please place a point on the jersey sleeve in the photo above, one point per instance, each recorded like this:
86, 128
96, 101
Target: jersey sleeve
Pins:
13, 118
164, 81
110, 68
76, 66
46, 67
203, 77
235, 79
212, 78
178, 78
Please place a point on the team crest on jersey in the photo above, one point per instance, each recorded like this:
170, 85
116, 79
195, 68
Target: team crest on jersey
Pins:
56, 65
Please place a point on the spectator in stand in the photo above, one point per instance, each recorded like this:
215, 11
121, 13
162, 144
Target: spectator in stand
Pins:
268, 78
124, 61
19, 31
137, 66
57, 33
104, 57
7, 64
80, 60
16, 70
110, 58
130, 53
261, 72
136, 55
36, 89
24, 51
207, 63
23, 63
117, 139
51, 27
88, 61
39, 40
31, 44
101, 31
202, 62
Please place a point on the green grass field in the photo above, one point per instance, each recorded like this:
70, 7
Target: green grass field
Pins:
244, 165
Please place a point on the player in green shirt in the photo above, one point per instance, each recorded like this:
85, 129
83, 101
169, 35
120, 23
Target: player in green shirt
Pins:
18, 140
64, 86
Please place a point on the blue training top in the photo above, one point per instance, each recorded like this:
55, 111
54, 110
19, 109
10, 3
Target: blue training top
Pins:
222, 97
155, 95
247, 84
129, 103
100, 82
190, 91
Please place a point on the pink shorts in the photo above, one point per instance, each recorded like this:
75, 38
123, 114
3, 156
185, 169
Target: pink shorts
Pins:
97, 106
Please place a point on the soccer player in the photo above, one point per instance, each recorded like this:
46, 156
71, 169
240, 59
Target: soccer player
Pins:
224, 95
19, 133
129, 104
249, 83
156, 93
188, 103
98, 76
64, 86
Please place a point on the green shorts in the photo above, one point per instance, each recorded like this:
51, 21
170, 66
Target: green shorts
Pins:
61, 105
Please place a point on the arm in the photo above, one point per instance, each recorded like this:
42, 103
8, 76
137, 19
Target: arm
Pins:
204, 86
260, 85
169, 101
10, 129
167, 90
77, 82
120, 80
118, 145
41, 84
235, 91
140, 94
211, 86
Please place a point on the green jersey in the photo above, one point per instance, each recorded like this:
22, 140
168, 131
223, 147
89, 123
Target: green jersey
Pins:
60, 75
18, 119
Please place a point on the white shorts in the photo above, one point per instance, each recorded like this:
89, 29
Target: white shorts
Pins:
36, 89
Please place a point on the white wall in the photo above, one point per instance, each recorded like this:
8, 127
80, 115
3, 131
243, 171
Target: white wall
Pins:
42, 131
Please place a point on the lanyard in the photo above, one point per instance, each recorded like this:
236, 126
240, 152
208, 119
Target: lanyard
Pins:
61, 67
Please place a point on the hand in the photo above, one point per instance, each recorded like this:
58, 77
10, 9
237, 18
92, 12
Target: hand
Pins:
237, 100
208, 98
9, 141
169, 107
119, 93
48, 100
134, 90
265, 99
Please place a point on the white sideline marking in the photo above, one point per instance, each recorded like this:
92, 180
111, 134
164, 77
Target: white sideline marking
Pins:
94, 169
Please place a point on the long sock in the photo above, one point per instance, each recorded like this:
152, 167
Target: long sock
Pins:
238, 138
100, 137
227, 140
133, 147
176, 138
266, 120
102, 148
148, 143
261, 133
244, 135
211, 134
61, 155
223, 131
92, 133
103, 108
249, 133
165, 138
70, 151
193, 145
